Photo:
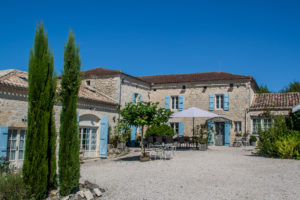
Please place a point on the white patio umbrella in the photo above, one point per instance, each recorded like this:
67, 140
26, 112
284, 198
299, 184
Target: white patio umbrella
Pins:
296, 108
194, 112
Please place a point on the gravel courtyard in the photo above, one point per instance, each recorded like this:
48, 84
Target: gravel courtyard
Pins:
219, 173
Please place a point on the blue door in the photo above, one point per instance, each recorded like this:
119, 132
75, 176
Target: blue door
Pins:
227, 133
103, 136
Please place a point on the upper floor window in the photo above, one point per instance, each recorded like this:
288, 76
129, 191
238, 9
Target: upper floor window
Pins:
88, 83
175, 126
219, 101
175, 102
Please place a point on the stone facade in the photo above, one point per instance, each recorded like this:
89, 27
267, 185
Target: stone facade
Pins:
103, 90
197, 95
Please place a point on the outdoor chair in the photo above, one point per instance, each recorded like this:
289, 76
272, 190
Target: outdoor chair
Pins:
157, 152
245, 141
187, 141
150, 140
168, 153
181, 140
169, 140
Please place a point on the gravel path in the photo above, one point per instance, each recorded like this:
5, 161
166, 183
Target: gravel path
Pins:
219, 173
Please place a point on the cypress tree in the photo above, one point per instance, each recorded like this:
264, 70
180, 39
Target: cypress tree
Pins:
69, 166
40, 82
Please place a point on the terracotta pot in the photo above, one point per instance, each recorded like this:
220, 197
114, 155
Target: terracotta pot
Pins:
145, 157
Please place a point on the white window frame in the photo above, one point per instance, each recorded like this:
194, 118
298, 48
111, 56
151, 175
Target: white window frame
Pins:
92, 138
219, 102
16, 142
174, 102
175, 126
262, 124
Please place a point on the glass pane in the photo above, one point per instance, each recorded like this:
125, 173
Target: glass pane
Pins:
21, 145
21, 154
12, 155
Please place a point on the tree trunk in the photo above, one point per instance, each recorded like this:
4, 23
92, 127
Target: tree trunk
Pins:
142, 142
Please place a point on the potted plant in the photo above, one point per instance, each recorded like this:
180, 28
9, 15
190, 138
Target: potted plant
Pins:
253, 140
203, 137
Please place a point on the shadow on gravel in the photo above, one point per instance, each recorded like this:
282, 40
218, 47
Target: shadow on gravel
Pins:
129, 158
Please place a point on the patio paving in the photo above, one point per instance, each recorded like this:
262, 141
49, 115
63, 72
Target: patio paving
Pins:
219, 173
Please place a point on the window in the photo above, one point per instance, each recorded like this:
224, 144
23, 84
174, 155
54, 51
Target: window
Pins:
22, 144
237, 126
219, 101
16, 144
88, 83
87, 138
267, 124
136, 97
175, 102
175, 126
256, 123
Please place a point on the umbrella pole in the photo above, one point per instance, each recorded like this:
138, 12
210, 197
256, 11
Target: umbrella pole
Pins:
193, 126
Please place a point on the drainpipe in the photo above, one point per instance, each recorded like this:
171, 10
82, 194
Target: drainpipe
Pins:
120, 94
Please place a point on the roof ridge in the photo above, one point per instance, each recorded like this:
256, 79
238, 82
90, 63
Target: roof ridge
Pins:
193, 74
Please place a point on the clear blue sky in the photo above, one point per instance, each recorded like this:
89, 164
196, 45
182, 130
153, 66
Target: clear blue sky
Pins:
258, 38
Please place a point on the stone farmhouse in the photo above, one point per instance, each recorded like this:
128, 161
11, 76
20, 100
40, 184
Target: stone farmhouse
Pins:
103, 90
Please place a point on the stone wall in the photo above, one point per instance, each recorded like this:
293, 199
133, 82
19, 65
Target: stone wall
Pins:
196, 95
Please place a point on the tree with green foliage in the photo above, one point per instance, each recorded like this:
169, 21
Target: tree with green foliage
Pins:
292, 87
69, 166
263, 89
144, 114
160, 130
39, 168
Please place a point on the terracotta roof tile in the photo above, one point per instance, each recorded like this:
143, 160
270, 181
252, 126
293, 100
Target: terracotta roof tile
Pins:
100, 71
275, 100
18, 78
194, 77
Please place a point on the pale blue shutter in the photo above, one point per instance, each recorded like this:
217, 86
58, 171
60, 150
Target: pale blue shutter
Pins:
210, 130
180, 106
77, 118
167, 102
3, 142
211, 101
133, 97
226, 101
140, 98
227, 133
103, 136
181, 128
132, 136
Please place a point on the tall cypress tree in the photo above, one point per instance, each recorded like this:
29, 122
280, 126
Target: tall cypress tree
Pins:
69, 166
40, 93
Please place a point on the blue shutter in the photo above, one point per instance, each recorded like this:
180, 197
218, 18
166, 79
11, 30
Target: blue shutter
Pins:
227, 133
133, 97
211, 101
132, 136
77, 118
180, 106
181, 128
3, 142
210, 130
140, 98
167, 102
226, 101
103, 136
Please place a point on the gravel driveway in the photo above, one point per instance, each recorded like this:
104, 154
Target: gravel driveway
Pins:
219, 173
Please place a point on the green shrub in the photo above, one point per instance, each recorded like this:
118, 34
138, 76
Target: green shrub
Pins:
12, 187
253, 138
160, 130
288, 147
279, 140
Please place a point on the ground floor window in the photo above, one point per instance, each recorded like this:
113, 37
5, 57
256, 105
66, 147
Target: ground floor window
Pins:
175, 126
16, 144
263, 123
237, 126
88, 138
